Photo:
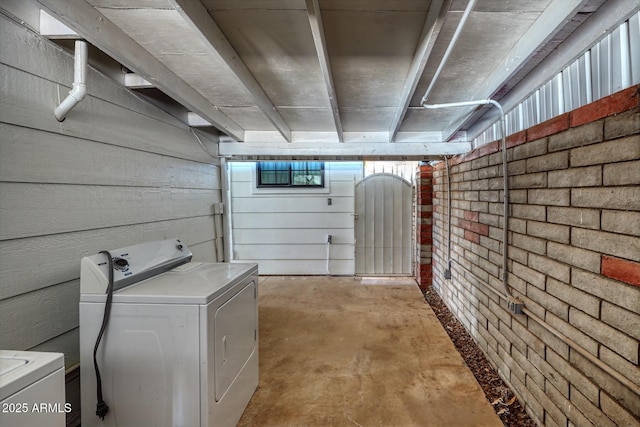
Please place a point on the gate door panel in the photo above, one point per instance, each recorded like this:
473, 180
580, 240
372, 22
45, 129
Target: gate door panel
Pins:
383, 224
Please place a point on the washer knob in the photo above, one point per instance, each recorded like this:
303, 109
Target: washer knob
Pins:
121, 264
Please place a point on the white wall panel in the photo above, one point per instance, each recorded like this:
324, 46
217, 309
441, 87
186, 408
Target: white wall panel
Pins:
336, 189
27, 156
280, 236
307, 267
58, 255
292, 220
67, 343
92, 119
290, 251
281, 203
35, 317
38, 209
286, 231
118, 171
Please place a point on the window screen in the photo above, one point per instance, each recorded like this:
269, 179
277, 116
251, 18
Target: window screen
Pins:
290, 174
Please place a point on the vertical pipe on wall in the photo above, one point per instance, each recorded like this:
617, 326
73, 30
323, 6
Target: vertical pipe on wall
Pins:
447, 273
514, 305
79, 88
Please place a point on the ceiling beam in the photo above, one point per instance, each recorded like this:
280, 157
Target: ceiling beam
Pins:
87, 21
317, 31
196, 15
611, 14
551, 20
342, 150
432, 26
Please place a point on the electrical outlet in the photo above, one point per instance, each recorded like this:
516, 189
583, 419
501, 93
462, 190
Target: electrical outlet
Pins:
515, 306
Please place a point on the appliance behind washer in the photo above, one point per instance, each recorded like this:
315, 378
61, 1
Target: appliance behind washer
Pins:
181, 345
32, 390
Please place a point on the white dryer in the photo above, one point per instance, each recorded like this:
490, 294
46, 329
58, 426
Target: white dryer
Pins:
32, 389
180, 347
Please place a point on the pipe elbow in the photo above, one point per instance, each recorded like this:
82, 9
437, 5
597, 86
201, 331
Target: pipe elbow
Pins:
76, 95
79, 88
78, 92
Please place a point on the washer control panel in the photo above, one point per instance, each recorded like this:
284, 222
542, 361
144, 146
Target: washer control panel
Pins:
132, 264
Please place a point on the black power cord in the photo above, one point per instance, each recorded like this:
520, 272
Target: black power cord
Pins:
102, 409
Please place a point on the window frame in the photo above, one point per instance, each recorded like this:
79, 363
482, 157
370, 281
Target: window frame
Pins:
290, 170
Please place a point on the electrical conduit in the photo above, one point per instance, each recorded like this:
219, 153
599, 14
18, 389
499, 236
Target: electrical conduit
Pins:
513, 303
452, 43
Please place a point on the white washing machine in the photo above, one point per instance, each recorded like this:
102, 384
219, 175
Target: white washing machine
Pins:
32, 389
181, 344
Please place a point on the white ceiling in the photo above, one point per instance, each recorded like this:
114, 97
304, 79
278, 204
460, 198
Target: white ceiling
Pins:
328, 78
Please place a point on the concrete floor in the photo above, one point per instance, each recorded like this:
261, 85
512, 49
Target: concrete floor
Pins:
337, 351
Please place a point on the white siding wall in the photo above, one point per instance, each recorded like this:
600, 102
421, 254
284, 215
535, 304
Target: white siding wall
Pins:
285, 230
116, 172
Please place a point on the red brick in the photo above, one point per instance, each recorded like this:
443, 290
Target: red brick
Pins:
472, 216
426, 171
425, 239
474, 226
618, 102
480, 228
426, 190
425, 214
425, 280
550, 127
483, 150
456, 160
622, 270
490, 148
517, 139
425, 201
471, 236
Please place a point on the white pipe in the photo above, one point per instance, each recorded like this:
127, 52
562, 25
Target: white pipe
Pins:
79, 89
505, 178
328, 249
452, 43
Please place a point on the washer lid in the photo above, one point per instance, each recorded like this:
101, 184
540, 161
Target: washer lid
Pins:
192, 283
8, 365
19, 369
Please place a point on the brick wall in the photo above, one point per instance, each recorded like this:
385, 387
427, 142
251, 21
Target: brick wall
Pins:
574, 260
424, 224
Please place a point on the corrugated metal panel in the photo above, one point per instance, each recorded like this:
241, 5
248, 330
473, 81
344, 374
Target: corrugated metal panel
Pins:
609, 66
634, 48
383, 226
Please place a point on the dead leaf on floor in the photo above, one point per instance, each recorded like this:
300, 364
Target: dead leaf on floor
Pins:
503, 411
510, 402
497, 401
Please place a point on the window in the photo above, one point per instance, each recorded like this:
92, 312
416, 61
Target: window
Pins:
290, 174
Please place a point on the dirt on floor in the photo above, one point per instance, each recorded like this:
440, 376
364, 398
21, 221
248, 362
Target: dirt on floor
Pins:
505, 403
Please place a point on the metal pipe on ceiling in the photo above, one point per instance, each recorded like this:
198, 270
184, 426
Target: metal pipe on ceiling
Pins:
79, 88
452, 44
